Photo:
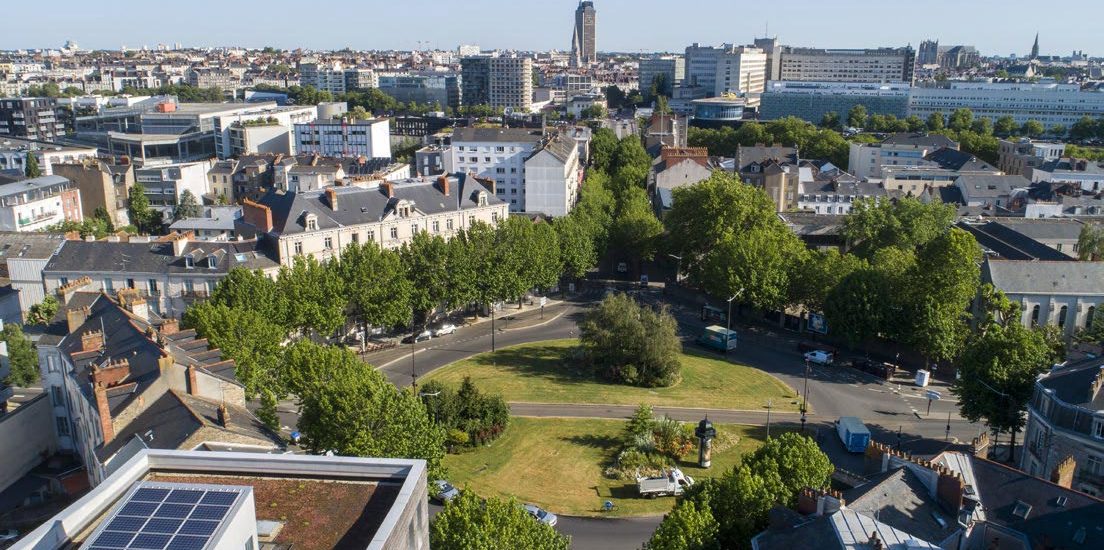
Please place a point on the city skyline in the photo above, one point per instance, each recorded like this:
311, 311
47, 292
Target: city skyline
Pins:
624, 28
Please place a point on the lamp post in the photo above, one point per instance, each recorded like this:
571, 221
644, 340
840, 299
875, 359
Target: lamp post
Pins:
769, 403
728, 320
678, 266
805, 397
413, 344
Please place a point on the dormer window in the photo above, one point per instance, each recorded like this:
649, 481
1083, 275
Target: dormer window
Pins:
212, 262
481, 199
311, 222
189, 262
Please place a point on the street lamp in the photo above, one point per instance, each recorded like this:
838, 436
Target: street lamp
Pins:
413, 343
805, 397
728, 320
678, 267
769, 403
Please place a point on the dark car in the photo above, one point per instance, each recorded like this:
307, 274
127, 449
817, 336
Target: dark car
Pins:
880, 369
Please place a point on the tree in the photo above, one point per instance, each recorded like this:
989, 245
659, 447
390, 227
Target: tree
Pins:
1033, 128
188, 207
906, 223
661, 106
996, 376
858, 307
252, 340
818, 273
253, 291
631, 344
856, 117
630, 153
635, 230
983, 126
513, 246
797, 461
1090, 243
577, 252
689, 526
424, 260
315, 295
22, 356
471, 523
593, 112
1004, 126
43, 312
377, 286
915, 123
603, 144
961, 119
141, 215
352, 410
1085, 128
830, 120
545, 262
942, 285
32, 170
935, 122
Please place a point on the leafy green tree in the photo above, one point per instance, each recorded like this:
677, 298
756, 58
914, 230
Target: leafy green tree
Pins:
983, 126
636, 230
935, 122
377, 286
630, 153
315, 294
188, 207
961, 119
943, 284
142, 216
797, 461
513, 247
906, 223
577, 252
471, 523
758, 262
1085, 128
593, 112
545, 260
1090, 243
856, 117
252, 290
1033, 128
857, 307
915, 123
603, 145
688, 527
22, 356
818, 273
1005, 126
252, 340
631, 344
424, 260
831, 120
996, 376
31, 169
349, 408
596, 209
43, 312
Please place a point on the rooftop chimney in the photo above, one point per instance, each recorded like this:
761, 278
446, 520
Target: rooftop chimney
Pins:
92, 340
331, 198
112, 374
443, 182
133, 302
193, 385
257, 215
388, 189
170, 326
76, 317
223, 415
66, 291
103, 410
1063, 472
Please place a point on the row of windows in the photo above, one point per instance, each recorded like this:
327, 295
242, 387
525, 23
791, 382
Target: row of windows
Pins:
435, 227
1062, 314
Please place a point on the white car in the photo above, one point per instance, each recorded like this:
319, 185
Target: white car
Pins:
819, 357
447, 328
443, 491
541, 515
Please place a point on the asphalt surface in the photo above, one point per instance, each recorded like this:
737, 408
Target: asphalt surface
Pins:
895, 412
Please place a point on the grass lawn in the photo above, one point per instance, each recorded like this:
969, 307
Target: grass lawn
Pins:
544, 373
557, 463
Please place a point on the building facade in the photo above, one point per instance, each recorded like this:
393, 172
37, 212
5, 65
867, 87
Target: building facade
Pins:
14, 151
34, 204
1051, 104
1065, 294
102, 185
584, 49
34, 118
553, 176
810, 101
1021, 156
865, 160
847, 65
498, 154
500, 82
342, 138
669, 68
741, 71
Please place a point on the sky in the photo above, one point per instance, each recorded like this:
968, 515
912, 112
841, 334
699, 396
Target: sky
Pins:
995, 27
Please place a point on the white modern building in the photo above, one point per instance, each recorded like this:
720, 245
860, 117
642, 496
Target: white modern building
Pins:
847, 65
865, 160
1049, 103
553, 175
345, 138
37, 203
741, 71
260, 131
14, 151
165, 184
498, 154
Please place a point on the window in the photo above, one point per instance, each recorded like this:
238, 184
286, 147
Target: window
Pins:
436, 226
494, 217
1035, 316
1089, 316
1062, 316
328, 243
371, 235
298, 246
1094, 465
448, 224
151, 286
356, 237
64, 281
394, 232
413, 229
62, 426
108, 285
130, 283
312, 223
1098, 428
51, 363
189, 287
55, 393
471, 221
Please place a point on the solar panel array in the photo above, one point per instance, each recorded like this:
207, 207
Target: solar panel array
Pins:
162, 518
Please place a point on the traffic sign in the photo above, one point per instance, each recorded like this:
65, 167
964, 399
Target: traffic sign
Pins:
934, 395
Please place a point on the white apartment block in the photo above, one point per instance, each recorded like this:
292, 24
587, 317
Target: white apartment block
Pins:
260, 131
741, 71
865, 160
498, 154
847, 65
14, 151
35, 204
1049, 103
323, 223
553, 175
343, 138
165, 183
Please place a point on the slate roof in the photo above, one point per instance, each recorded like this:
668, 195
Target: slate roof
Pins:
31, 185
358, 205
1046, 228
503, 135
899, 499
560, 147
157, 257
1072, 383
933, 141
746, 156
1045, 277
984, 185
953, 159
15, 244
1010, 244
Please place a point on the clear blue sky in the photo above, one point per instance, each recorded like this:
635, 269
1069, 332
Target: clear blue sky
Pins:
995, 27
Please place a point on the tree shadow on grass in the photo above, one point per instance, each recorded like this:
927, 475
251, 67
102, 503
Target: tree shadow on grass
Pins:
554, 363
604, 442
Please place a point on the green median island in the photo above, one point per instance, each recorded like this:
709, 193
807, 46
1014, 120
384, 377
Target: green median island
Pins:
553, 372
563, 465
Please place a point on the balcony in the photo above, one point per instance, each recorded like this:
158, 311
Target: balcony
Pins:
194, 294
37, 218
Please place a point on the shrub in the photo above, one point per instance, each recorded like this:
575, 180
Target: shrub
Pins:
632, 344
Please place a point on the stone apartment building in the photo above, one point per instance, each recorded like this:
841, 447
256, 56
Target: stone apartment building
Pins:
322, 223
102, 184
1068, 294
37, 203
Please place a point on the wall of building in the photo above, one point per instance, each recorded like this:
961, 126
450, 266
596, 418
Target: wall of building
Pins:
29, 435
26, 277
551, 185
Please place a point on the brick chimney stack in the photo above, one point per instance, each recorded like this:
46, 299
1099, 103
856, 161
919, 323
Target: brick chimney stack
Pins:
257, 215
104, 412
331, 198
223, 415
76, 317
111, 374
65, 292
193, 386
388, 189
170, 327
92, 340
443, 182
1063, 472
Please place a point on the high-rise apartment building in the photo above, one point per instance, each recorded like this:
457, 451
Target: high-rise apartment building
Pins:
852, 65
34, 118
701, 66
742, 71
583, 49
669, 69
774, 56
505, 82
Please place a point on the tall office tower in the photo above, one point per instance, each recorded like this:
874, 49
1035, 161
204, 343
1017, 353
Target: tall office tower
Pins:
743, 71
583, 49
774, 56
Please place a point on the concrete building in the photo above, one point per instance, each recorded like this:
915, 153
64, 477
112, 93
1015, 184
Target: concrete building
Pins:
1065, 426
500, 82
323, 76
584, 49
701, 66
122, 382
23, 257
323, 223
165, 184
989, 191
218, 223
713, 111
1085, 174
14, 151
382, 503
669, 68
741, 71
170, 273
1066, 294
426, 89
430, 160
102, 185
844, 65
553, 176
810, 101
1049, 103
38, 118
773, 169
1019, 157
260, 131
679, 167
498, 154
345, 138
773, 49
34, 204
866, 160
578, 104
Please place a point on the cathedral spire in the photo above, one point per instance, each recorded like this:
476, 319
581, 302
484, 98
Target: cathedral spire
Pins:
1035, 48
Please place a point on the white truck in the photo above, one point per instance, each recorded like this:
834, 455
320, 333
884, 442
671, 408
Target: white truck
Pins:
673, 483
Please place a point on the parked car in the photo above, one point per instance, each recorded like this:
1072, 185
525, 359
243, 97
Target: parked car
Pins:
541, 515
447, 328
877, 368
420, 337
804, 346
820, 357
443, 491
673, 482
